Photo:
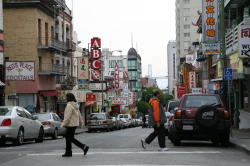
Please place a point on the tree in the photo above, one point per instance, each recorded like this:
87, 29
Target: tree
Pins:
143, 107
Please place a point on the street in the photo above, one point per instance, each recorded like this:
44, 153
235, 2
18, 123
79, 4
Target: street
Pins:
120, 147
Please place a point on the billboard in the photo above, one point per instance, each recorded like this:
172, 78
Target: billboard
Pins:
244, 41
20, 71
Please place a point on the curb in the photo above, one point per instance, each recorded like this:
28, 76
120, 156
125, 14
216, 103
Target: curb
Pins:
240, 146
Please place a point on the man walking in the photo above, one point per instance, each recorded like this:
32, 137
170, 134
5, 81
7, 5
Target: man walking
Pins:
157, 118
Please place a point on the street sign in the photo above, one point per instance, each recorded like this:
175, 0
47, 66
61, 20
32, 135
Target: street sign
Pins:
228, 74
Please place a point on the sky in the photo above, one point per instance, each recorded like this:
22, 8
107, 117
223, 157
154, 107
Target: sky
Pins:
150, 22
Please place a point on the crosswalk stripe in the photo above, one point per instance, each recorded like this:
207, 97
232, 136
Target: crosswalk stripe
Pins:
139, 152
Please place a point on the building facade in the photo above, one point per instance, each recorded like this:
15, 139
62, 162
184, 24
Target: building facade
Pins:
186, 14
172, 66
39, 33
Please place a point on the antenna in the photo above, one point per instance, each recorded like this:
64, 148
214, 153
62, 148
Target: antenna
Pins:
137, 49
132, 40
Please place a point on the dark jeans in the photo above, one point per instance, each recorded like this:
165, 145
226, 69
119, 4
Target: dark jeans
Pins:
160, 132
70, 132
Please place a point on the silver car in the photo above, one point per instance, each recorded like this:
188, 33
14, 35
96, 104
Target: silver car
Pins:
17, 125
51, 123
99, 121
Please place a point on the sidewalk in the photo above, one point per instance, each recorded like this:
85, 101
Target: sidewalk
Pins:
241, 139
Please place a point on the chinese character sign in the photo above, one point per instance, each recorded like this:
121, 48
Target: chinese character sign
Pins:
192, 80
210, 20
83, 68
116, 76
244, 41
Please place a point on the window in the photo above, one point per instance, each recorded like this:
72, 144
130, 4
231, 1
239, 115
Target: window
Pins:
46, 34
20, 113
28, 115
186, 10
132, 64
39, 31
186, 1
113, 62
198, 101
186, 26
186, 34
186, 18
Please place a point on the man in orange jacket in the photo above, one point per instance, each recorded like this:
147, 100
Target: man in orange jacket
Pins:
157, 118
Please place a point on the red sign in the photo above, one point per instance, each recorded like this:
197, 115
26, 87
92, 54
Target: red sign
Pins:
90, 97
96, 64
180, 91
116, 76
95, 74
95, 43
96, 54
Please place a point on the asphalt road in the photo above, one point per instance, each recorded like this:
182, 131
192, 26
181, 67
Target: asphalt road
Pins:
120, 148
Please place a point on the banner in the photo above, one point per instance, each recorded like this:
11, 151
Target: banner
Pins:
192, 80
210, 27
244, 41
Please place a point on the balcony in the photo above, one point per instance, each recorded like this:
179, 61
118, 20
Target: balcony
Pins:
53, 69
232, 40
67, 82
53, 44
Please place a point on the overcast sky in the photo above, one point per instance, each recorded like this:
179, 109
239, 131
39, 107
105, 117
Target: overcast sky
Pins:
152, 23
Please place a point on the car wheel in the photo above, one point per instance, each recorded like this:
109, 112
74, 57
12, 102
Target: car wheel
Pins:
207, 116
215, 141
89, 130
55, 134
2, 141
20, 137
224, 140
175, 139
39, 139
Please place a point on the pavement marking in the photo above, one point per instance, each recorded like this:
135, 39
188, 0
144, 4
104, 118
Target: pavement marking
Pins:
140, 152
143, 165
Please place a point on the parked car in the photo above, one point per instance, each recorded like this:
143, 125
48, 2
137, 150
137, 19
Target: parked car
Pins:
18, 125
127, 117
172, 104
99, 121
51, 123
200, 117
116, 123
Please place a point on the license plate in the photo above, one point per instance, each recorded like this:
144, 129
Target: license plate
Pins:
187, 127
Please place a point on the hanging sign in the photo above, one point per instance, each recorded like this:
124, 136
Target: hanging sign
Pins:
244, 41
192, 80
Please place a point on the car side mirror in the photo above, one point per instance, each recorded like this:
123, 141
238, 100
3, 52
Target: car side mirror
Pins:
34, 118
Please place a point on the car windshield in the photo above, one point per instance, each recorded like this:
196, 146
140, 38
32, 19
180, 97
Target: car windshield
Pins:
172, 105
97, 117
43, 116
199, 100
5, 112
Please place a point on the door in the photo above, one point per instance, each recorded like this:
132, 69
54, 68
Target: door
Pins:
25, 122
34, 126
57, 123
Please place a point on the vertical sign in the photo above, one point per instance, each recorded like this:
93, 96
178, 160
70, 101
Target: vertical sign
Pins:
192, 80
210, 26
116, 76
83, 68
96, 59
244, 40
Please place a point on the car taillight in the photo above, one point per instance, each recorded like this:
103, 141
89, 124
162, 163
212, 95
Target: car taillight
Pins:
46, 123
105, 122
226, 115
178, 114
6, 122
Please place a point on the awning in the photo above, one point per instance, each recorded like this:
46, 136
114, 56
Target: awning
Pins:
49, 93
1, 83
89, 103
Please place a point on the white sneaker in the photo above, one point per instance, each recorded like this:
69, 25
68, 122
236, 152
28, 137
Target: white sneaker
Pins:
143, 143
163, 149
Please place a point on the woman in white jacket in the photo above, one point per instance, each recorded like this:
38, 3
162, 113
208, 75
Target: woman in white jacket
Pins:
72, 119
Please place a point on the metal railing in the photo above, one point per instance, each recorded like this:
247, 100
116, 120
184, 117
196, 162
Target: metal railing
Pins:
56, 69
232, 39
55, 44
